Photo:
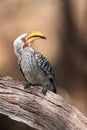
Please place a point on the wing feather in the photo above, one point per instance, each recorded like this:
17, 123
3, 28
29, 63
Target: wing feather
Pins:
44, 64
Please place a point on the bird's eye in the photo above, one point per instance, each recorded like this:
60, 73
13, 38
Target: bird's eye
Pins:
23, 39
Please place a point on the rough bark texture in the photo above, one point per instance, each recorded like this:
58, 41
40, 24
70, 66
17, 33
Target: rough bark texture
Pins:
30, 106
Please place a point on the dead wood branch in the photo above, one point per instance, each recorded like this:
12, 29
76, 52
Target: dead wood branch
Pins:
49, 112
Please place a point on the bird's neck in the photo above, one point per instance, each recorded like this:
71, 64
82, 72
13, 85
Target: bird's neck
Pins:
20, 51
29, 49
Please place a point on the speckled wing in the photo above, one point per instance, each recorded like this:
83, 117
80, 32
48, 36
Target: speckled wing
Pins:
44, 64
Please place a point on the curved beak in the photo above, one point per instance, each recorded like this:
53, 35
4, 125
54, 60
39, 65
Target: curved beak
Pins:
34, 35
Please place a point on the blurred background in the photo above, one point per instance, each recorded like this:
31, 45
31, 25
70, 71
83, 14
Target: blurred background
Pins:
63, 22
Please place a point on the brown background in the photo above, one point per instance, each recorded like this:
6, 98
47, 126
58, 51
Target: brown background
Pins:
64, 23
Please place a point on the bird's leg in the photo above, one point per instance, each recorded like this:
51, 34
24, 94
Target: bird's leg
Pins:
45, 87
44, 90
35, 84
27, 84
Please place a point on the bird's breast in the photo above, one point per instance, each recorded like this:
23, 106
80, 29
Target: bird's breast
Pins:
30, 69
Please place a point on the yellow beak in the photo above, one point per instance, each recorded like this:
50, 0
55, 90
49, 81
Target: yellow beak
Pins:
34, 35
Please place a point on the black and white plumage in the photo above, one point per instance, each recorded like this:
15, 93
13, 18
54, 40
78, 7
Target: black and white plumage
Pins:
34, 66
47, 68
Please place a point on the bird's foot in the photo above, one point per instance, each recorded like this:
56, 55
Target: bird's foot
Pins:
35, 84
27, 85
44, 90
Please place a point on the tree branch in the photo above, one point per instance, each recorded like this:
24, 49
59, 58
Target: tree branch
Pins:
30, 106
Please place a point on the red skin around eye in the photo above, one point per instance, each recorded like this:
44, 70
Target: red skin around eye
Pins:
25, 45
24, 40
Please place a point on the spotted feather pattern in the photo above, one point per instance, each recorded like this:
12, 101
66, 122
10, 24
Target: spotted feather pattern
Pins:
44, 64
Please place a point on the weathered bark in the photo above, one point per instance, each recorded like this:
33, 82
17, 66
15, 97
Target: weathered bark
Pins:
30, 106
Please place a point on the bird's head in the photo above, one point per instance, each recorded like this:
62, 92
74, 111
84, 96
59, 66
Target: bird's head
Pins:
26, 40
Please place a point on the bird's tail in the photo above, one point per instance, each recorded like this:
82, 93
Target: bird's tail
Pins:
53, 86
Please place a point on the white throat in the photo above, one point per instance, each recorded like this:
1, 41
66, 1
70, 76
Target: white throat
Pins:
18, 45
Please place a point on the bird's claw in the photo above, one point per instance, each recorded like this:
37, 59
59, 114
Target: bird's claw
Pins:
27, 85
44, 90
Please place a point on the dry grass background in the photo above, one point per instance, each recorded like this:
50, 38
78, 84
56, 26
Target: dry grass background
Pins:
69, 60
